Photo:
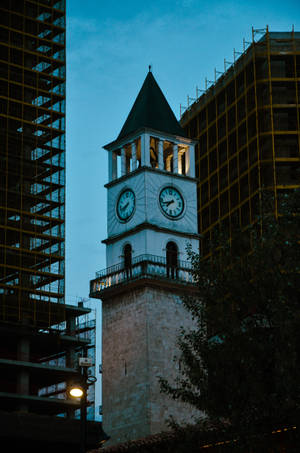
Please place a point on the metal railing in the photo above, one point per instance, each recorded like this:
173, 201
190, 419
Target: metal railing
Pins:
142, 266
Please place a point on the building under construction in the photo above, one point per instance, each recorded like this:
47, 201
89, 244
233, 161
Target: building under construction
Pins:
247, 126
35, 323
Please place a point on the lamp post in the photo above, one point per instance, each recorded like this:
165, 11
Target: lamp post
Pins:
83, 404
79, 390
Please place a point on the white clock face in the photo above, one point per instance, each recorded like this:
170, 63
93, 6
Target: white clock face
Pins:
171, 202
126, 205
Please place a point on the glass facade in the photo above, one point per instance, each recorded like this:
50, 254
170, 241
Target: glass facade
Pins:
32, 156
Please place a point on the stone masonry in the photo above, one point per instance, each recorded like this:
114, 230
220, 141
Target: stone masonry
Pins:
140, 327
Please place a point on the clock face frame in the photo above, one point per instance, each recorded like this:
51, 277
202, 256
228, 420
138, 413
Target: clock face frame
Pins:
125, 205
171, 202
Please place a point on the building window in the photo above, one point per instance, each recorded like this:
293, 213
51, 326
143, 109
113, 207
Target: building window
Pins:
172, 259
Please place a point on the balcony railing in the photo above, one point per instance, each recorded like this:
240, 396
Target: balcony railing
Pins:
142, 266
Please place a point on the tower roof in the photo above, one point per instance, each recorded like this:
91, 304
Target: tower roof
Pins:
151, 110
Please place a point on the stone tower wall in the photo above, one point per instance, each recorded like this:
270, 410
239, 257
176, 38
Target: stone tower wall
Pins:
140, 328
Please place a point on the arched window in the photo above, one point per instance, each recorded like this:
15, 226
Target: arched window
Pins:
172, 259
128, 260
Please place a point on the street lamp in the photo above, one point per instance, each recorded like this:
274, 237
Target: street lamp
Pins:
76, 391
79, 390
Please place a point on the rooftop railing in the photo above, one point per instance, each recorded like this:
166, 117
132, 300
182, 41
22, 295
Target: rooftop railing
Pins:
142, 266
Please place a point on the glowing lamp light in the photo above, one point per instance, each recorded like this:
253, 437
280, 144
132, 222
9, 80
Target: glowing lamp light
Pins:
76, 392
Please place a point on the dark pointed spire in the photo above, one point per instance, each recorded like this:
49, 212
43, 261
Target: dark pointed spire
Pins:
151, 110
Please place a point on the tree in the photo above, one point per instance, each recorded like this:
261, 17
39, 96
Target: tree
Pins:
241, 363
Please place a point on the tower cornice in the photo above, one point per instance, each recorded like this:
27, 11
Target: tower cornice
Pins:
145, 168
149, 226
170, 286
118, 143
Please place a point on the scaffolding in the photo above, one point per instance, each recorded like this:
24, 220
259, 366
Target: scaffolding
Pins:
247, 126
84, 331
39, 342
32, 160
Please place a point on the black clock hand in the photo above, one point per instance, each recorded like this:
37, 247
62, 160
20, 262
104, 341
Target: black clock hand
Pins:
124, 207
168, 202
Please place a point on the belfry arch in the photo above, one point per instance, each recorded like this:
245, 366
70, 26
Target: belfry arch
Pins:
172, 259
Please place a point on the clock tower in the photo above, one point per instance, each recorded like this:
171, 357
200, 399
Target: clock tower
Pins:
151, 218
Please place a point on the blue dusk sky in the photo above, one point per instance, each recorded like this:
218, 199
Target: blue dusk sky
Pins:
109, 47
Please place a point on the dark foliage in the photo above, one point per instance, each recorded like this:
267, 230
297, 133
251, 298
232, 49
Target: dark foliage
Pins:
241, 363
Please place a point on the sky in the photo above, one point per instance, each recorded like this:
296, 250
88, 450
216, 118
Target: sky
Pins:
110, 45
